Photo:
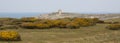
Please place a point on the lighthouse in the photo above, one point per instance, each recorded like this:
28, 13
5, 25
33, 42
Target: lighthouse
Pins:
59, 12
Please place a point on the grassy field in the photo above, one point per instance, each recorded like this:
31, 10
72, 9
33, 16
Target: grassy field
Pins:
113, 20
92, 34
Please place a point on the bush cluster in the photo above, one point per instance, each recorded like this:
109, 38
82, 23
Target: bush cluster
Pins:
7, 21
113, 27
9, 36
28, 19
72, 25
28, 25
9, 27
84, 21
42, 26
60, 23
31, 22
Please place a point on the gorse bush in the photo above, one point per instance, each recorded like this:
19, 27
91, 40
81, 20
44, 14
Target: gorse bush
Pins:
32, 23
9, 36
60, 23
63, 24
113, 27
28, 19
42, 26
35, 25
72, 25
56, 23
9, 27
8, 21
48, 22
28, 25
83, 21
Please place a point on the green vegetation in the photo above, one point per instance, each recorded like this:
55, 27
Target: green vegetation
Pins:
114, 27
28, 25
33, 23
28, 19
9, 36
72, 25
65, 30
91, 34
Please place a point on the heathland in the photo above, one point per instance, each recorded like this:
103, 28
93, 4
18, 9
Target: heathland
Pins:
64, 30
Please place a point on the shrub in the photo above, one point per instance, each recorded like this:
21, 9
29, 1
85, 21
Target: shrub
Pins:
56, 23
72, 25
59, 23
63, 24
114, 27
83, 21
9, 36
48, 22
95, 19
9, 27
66, 19
6, 19
28, 25
100, 21
108, 22
42, 26
29, 19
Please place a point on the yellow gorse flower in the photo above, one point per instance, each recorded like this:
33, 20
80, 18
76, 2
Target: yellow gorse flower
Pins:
9, 35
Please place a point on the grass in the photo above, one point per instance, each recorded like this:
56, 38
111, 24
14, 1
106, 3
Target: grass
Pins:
92, 34
113, 20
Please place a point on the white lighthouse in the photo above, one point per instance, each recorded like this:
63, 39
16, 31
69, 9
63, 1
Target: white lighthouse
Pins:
59, 12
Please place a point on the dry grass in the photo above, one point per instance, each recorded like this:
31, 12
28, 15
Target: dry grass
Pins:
113, 20
92, 34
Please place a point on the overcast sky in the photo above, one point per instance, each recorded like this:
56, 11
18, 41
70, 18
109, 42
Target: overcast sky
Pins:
80, 6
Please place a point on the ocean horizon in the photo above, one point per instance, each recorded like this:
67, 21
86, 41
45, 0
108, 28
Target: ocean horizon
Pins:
32, 14
19, 15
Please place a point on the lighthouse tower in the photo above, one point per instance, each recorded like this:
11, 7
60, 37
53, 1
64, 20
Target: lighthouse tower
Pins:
59, 12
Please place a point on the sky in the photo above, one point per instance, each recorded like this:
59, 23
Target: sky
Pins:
79, 6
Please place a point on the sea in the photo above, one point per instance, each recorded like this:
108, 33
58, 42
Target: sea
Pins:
19, 15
